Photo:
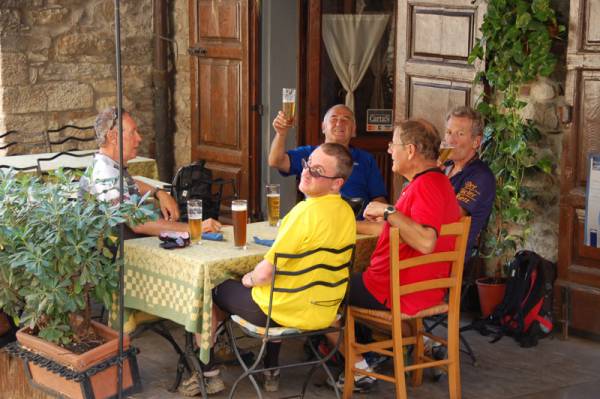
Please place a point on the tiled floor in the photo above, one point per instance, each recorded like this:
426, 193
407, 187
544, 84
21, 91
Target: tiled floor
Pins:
554, 369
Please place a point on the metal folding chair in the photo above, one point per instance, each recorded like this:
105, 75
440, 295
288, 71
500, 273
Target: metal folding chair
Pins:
268, 334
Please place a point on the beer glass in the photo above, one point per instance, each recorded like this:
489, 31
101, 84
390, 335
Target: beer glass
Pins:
194, 209
273, 200
289, 103
239, 214
445, 151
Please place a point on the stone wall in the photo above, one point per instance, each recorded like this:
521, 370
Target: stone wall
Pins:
57, 64
182, 93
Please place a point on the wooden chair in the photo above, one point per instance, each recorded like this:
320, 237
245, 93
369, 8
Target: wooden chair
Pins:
392, 320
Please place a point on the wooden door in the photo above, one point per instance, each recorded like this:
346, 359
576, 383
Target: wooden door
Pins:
579, 265
435, 38
223, 59
432, 43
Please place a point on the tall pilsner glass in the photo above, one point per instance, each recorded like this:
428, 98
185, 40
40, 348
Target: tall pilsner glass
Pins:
239, 214
445, 151
273, 201
194, 209
289, 103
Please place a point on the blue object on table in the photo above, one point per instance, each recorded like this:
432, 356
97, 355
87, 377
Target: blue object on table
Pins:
212, 236
260, 241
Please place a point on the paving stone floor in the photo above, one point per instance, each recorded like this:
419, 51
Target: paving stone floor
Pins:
554, 369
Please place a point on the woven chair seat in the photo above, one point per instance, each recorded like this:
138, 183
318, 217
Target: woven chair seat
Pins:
386, 315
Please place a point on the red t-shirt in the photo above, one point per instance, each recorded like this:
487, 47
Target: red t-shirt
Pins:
428, 199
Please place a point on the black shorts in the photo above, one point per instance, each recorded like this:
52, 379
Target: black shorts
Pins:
360, 296
232, 297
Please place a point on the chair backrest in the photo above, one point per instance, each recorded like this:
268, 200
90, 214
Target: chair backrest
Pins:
77, 134
195, 181
66, 160
460, 230
320, 268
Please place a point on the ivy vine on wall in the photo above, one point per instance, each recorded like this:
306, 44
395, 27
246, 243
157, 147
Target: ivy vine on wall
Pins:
516, 42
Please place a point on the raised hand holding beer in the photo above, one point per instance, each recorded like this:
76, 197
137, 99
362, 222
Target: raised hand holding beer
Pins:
194, 210
289, 104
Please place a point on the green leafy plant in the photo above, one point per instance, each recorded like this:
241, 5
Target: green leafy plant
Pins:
515, 45
54, 253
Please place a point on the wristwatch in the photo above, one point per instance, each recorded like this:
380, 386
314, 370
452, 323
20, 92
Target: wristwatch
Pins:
388, 211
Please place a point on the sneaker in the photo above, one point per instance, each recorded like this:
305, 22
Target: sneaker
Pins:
362, 383
271, 380
375, 360
212, 383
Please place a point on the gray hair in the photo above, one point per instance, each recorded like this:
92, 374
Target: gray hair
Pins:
423, 135
105, 122
330, 110
476, 118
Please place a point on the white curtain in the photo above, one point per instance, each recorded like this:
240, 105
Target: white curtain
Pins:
351, 41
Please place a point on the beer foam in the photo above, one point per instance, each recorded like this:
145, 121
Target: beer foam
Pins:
239, 207
272, 195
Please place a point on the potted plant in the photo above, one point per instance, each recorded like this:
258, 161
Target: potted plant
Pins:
54, 257
516, 47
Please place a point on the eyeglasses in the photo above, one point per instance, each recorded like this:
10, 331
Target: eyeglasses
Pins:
314, 171
391, 143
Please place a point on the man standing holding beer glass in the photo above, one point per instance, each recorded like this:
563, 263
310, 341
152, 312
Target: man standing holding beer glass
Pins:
323, 219
339, 127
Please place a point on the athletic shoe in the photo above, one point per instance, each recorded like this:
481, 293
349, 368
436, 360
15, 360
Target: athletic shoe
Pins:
271, 380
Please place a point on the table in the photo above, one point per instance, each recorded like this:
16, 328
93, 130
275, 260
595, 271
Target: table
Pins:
176, 284
138, 166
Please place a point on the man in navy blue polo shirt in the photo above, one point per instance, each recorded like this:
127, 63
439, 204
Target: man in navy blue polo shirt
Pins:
338, 126
473, 181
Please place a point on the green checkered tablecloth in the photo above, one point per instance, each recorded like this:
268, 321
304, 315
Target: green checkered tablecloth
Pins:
176, 284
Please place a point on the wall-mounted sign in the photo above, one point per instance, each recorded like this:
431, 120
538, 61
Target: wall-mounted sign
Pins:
592, 208
380, 120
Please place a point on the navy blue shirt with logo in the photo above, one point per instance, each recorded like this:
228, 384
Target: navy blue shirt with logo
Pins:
365, 181
475, 188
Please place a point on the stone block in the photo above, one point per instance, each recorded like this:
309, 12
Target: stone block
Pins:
546, 115
49, 16
23, 99
14, 69
76, 71
69, 96
35, 122
10, 21
137, 51
105, 86
76, 45
542, 90
18, 43
22, 3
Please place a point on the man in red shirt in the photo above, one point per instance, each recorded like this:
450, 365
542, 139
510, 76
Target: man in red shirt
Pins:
426, 202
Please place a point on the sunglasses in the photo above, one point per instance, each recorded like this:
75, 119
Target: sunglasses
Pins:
314, 172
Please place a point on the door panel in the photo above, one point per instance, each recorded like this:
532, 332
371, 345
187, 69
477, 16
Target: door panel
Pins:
579, 265
432, 73
222, 65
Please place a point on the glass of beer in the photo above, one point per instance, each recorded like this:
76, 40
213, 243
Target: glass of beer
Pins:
194, 210
289, 103
445, 151
239, 214
273, 200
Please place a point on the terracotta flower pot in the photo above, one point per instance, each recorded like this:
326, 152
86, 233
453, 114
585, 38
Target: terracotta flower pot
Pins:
97, 385
491, 292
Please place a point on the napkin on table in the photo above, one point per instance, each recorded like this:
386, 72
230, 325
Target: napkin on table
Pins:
265, 242
212, 236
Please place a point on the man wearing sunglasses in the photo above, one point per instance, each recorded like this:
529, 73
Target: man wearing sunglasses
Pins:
101, 179
322, 220
339, 127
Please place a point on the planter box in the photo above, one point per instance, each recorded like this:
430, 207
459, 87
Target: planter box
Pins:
91, 375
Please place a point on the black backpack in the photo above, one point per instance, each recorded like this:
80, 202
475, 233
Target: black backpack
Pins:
526, 310
194, 181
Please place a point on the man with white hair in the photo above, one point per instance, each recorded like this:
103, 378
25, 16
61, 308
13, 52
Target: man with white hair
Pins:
102, 178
